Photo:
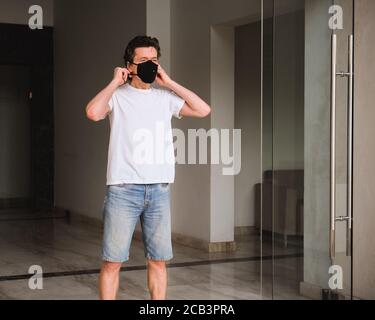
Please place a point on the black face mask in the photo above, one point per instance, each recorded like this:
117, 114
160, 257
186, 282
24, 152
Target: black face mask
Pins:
146, 71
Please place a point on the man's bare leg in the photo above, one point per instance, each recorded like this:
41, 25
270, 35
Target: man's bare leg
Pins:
157, 279
109, 280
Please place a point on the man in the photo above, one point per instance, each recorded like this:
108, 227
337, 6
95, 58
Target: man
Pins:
138, 189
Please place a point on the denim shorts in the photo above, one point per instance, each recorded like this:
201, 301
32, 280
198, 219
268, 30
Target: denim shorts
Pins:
123, 205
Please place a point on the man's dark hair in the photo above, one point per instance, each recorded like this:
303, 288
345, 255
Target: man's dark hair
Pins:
140, 42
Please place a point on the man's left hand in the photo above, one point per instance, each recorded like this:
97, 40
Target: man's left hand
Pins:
162, 78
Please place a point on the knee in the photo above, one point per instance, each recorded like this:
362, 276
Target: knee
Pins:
111, 267
160, 265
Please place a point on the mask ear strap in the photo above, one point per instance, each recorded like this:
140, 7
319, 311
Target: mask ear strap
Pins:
133, 74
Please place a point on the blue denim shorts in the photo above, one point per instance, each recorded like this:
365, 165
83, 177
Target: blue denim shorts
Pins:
123, 205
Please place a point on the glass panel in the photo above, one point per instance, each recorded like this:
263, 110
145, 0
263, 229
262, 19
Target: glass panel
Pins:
301, 150
288, 147
342, 257
235, 91
267, 144
247, 118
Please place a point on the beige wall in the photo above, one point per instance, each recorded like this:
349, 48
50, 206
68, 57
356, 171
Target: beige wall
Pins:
248, 119
364, 152
17, 11
288, 116
317, 143
90, 38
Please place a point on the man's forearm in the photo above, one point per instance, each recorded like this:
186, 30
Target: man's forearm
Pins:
98, 107
192, 99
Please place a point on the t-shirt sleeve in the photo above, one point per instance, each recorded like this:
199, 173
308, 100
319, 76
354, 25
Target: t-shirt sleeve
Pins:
175, 104
111, 101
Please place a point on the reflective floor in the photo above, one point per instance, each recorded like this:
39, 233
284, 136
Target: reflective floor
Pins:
69, 254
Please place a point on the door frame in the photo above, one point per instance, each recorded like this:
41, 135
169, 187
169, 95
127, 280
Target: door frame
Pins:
34, 48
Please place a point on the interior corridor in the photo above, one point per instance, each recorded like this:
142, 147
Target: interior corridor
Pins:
69, 252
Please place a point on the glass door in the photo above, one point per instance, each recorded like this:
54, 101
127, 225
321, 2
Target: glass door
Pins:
307, 70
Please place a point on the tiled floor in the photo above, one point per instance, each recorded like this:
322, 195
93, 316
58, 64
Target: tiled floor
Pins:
59, 246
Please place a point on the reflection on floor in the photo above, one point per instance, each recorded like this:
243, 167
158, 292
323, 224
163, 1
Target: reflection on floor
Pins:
69, 254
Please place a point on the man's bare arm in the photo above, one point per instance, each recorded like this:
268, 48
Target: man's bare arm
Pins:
194, 106
98, 108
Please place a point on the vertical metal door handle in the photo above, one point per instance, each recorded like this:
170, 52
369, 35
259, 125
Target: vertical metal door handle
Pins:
350, 147
348, 218
333, 150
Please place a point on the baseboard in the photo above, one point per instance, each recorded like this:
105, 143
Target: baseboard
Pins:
13, 203
311, 291
314, 292
245, 230
225, 246
75, 217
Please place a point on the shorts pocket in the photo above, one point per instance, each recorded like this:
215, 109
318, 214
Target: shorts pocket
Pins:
164, 186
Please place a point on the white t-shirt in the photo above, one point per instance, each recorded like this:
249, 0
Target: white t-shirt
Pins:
141, 147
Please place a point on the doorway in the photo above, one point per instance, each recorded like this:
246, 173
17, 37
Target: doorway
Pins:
15, 126
27, 119
307, 100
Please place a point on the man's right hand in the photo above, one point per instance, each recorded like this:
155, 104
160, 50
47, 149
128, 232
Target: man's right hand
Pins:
120, 76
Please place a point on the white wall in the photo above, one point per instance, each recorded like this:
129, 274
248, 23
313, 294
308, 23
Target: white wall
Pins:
222, 98
90, 39
17, 11
198, 189
159, 26
191, 67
